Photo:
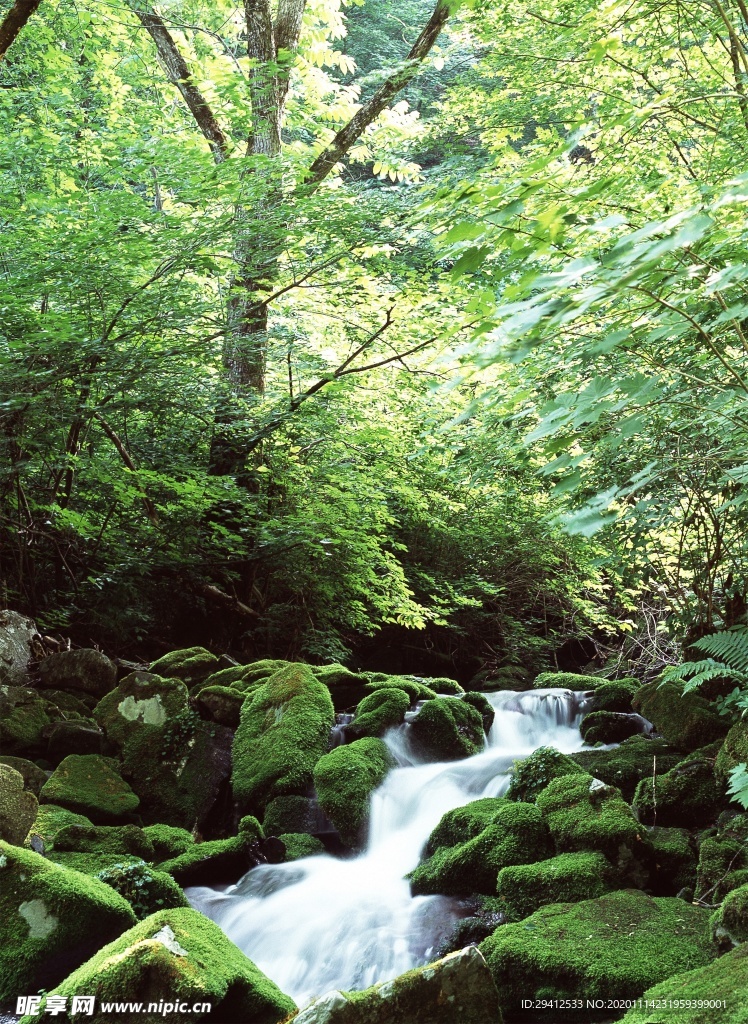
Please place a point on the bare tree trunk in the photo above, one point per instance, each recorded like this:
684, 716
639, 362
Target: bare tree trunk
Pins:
14, 21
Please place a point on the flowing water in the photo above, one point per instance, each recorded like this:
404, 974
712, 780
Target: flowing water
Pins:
324, 923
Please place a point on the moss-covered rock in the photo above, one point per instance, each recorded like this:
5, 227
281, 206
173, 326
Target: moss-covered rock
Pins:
447, 729
222, 704
89, 863
87, 670
585, 814
292, 814
18, 807
190, 664
105, 839
612, 947
517, 835
610, 727
177, 956
531, 775
145, 889
568, 878
168, 841
260, 672
484, 708
688, 796
346, 688
688, 721
506, 677
723, 866
91, 785
615, 695
16, 647
625, 766
715, 994
284, 730
219, 860
50, 819
78, 705
729, 923
379, 711
24, 714
567, 681
734, 751
345, 779
443, 685
141, 698
298, 845
233, 676
415, 689
33, 776
463, 823
80, 737
51, 920
673, 861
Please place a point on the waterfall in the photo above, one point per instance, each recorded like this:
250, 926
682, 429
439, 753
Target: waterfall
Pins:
324, 923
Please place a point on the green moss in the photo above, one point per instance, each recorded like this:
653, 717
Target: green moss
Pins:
567, 681
484, 708
219, 860
615, 695
260, 672
447, 729
140, 699
609, 727
625, 766
89, 863
688, 796
347, 688
723, 983
105, 839
531, 775
463, 823
723, 866
284, 730
345, 779
33, 776
290, 814
79, 706
298, 845
380, 711
50, 819
235, 676
444, 685
415, 689
18, 808
612, 947
674, 861
51, 920
145, 889
86, 670
568, 878
191, 665
729, 924
168, 841
688, 721
23, 717
90, 784
221, 704
518, 835
734, 751
583, 814
177, 956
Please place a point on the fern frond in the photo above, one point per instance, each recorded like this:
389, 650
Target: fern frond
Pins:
730, 647
738, 788
694, 673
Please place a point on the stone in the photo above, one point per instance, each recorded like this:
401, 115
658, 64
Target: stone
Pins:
633, 760
346, 688
379, 711
24, 714
16, 650
567, 681
34, 777
18, 807
688, 796
191, 664
568, 878
86, 670
611, 726
65, 738
673, 866
91, 785
114, 839
447, 729
168, 841
688, 721
345, 779
141, 698
530, 776
222, 704
49, 820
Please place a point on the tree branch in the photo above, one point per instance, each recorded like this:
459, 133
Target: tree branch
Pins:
14, 21
150, 508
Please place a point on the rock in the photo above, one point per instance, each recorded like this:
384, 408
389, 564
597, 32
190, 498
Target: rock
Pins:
16, 650
568, 878
464, 823
611, 727
625, 766
567, 681
447, 729
612, 947
729, 924
723, 861
517, 834
284, 730
34, 777
379, 711
688, 796
674, 861
484, 707
221, 704
345, 779
73, 707
295, 814
145, 889
443, 685
168, 841
192, 665
219, 860
615, 695
65, 738
49, 820
531, 775
23, 716
91, 785
715, 994
51, 920
114, 839
178, 956
734, 751
141, 698
346, 688
298, 845
415, 689
86, 670
688, 721
458, 989
18, 807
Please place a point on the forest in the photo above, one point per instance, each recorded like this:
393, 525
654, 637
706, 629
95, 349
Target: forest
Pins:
373, 511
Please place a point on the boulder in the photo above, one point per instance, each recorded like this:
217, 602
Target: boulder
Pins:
23, 716
86, 670
222, 704
688, 796
284, 730
442, 685
615, 695
16, 650
734, 751
173, 957
141, 698
723, 861
219, 860
51, 920
688, 721
633, 760
65, 738
145, 889
411, 685
611, 727
447, 729
484, 708
91, 785
345, 779
191, 664
673, 865
346, 688
18, 807
568, 878
295, 814
114, 839
168, 841
49, 820
612, 947
464, 823
458, 988
531, 775
33, 776
379, 711
298, 845
567, 681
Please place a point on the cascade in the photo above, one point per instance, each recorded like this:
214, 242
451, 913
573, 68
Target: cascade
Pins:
324, 923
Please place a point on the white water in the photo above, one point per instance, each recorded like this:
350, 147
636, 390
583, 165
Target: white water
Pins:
323, 923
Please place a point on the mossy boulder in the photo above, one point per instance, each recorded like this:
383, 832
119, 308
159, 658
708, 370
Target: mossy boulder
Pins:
222, 704
87, 670
443, 685
688, 796
218, 860
284, 730
24, 714
415, 689
530, 776
463, 823
715, 994
688, 721
673, 865
16, 651
583, 813
89, 863
345, 779
260, 671
734, 751
79, 737
168, 840
50, 819
615, 695
140, 699
612, 947
78, 705
190, 664
484, 708
567, 681
108, 839
33, 776
379, 711
18, 807
346, 688
51, 920
91, 785
294, 814
447, 729
298, 845
517, 835
568, 878
729, 924
610, 727
630, 762
145, 889
177, 956
722, 867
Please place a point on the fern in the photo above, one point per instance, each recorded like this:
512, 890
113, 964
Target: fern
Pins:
738, 788
730, 647
694, 673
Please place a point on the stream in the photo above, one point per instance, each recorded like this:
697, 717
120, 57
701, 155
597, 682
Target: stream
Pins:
327, 923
